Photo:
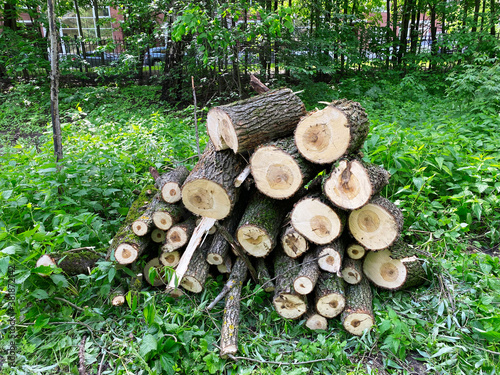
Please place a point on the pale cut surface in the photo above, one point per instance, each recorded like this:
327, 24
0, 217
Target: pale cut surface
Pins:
214, 259
351, 276
275, 172
162, 220
290, 306
316, 321
316, 221
356, 323
303, 285
140, 228
158, 235
384, 271
294, 244
222, 268
254, 240
349, 190
211, 231
125, 253
329, 260
373, 227
355, 251
330, 305
160, 272
118, 300
176, 238
45, 260
218, 122
170, 259
171, 192
190, 283
206, 198
323, 136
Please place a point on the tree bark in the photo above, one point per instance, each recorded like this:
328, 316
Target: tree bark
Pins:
263, 276
197, 271
306, 279
330, 256
358, 312
293, 243
333, 132
243, 125
330, 295
352, 271
71, 262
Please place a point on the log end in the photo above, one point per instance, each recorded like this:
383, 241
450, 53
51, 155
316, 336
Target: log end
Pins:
383, 271
220, 130
290, 306
171, 192
330, 305
329, 260
162, 220
254, 240
355, 251
316, 322
206, 198
214, 259
158, 235
303, 285
45, 260
170, 259
118, 300
357, 323
126, 253
140, 228
191, 284
160, 274
351, 276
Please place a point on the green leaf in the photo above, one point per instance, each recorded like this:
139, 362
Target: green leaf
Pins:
477, 209
111, 274
4, 265
444, 350
150, 312
40, 322
40, 294
418, 182
6, 194
60, 280
148, 345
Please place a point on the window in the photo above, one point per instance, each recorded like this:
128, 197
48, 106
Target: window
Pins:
69, 23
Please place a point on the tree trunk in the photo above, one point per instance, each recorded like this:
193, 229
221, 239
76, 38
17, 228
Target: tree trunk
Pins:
293, 243
209, 189
169, 184
335, 131
376, 225
352, 183
71, 262
263, 276
404, 31
330, 295
243, 125
286, 301
260, 225
197, 271
165, 215
355, 251
306, 279
493, 17
179, 235
330, 256
352, 271
358, 312
54, 83
313, 218
278, 169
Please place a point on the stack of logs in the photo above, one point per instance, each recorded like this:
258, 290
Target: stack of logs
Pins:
308, 225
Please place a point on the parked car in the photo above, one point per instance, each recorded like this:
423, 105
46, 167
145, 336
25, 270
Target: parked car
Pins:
156, 54
98, 58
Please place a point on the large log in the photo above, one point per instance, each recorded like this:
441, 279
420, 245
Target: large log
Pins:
306, 279
330, 295
352, 271
169, 184
358, 312
352, 183
330, 256
243, 125
294, 244
376, 225
395, 268
209, 190
73, 262
260, 225
313, 217
197, 271
179, 235
287, 302
279, 170
337, 130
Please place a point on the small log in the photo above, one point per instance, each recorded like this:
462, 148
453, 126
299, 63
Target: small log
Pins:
313, 217
358, 311
376, 225
352, 271
330, 295
260, 225
170, 259
315, 321
241, 178
231, 320
179, 235
209, 189
158, 235
169, 184
294, 244
71, 262
330, 256
167, 214
160, 272
394, 272
287, 302
131, 247
257, 85
226, 265
337, 130
117, 297
264, 277
352, 183
355, 251
243, 125
279, 170
144, 223
306, 279
237, 277
197, 271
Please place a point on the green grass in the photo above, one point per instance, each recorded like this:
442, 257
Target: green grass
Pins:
444, 161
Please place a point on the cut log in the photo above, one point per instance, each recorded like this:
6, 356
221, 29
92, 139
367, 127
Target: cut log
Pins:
243, 125
306, 279
117, 297
330, 295
330, 256
294, 244
226, 265
352, 183
131, 247
170, 259
179, 235
403, 270
316, 220
241, 178
352, 271
358, 312
260, 225
71, 262
209, 190
158, 235
337, 130
231, 320
315, 321
144, 223
287, 302
278, 169
263, 276
376, 225
355, 251
257, 85
167, 214
160, 274
197, 271
169, 184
